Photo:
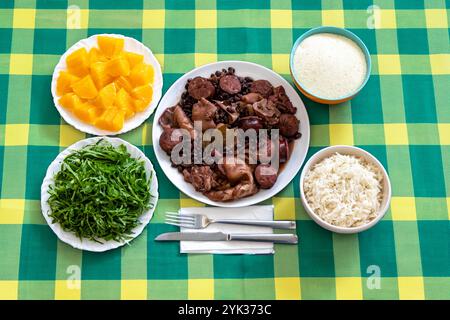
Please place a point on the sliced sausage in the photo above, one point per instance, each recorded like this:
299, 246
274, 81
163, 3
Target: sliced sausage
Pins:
263, 87
266, 176
251, 122
283, 150
289, 125
230, 84
201, 88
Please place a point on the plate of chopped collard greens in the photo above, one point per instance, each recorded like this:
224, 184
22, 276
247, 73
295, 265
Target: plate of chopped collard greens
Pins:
99, 194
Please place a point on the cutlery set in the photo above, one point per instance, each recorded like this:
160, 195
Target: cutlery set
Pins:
199, 221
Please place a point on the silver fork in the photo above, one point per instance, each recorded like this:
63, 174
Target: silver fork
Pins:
200, 221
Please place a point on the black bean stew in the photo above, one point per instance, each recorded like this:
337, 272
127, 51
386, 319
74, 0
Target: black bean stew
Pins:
227, 101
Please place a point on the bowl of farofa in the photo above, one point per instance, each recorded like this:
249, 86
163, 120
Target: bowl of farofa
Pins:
330, 65
345, 189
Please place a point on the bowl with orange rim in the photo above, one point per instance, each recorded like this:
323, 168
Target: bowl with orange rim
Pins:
329, 65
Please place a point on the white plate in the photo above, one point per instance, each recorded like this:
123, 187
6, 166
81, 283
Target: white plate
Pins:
244, 69
86, 244
131, 45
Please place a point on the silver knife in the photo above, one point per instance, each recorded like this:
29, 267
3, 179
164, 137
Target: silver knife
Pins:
220, 236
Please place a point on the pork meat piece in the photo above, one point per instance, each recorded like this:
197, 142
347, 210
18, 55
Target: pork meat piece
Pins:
205, 112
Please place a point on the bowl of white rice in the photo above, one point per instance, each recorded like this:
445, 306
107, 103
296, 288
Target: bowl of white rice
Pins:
330, 65
345, 189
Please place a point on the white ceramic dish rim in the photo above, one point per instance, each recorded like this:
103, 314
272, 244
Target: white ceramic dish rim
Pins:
132, 45
85, 244
343, 149
299, 151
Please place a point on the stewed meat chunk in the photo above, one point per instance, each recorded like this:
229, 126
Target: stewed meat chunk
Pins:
263, 87
289, 125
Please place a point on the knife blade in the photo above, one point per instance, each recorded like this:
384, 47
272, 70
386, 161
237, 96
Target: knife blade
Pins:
286, 238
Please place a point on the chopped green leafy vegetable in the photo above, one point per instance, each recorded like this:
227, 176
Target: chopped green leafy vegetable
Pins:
100, 193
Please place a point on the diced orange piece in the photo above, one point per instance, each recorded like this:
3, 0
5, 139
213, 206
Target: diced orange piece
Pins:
82, 112
96, 56
110, 46
112, 120
129, 112
144, 93
85, 88
140, 105
125, 103
133, 58
118, 67
78, 62
99, 75
77, 103
86, 112
122, 82
143, 96
105, 121
64, 83
141, 74
118, 121
95, 113
70, 100
106, 96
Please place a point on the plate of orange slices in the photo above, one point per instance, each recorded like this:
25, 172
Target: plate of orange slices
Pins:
107, 84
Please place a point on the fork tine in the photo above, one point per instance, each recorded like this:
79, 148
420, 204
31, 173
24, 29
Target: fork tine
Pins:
180, 214
181, 223
173, 223
190, 226
178, 217
180, 220
190, 215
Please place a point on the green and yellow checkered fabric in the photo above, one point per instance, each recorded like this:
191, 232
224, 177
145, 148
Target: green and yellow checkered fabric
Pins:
402, 116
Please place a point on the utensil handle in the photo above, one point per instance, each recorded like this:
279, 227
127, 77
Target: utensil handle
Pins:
262, 223
286, 238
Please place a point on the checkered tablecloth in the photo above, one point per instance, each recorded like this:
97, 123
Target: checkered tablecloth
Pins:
402, 116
